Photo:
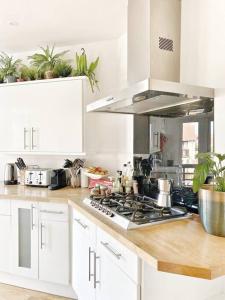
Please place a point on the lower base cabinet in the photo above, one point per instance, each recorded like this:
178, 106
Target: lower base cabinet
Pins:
40, 239
83, 255
101, 264
54, 243
25, 238
5, 235
113, 283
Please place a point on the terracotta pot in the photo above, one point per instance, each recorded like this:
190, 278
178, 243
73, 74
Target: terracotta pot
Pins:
212, 210
49, 74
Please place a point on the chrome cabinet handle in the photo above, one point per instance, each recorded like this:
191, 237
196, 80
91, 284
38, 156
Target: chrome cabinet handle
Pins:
52, 212
107, 246
89, 264
81, 224
33, 130
25, 131
42, 243
95, 270
32, 217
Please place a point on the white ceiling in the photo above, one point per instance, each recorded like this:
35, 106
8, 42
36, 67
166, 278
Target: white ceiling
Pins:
59, 22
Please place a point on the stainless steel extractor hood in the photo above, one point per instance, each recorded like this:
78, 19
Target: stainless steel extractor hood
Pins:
154, 33
157, 97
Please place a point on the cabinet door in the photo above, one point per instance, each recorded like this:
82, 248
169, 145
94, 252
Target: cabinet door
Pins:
83, 259
54, 251
56, 115
5, 242
113, 283
25, 238
14, 119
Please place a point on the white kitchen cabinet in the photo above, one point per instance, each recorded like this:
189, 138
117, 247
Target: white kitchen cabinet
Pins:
83, 257
54, 243
116, 266
103, 269
42, 116
25, 238
5, 235
14, 119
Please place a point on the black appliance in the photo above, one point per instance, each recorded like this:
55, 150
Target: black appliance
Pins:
58, 179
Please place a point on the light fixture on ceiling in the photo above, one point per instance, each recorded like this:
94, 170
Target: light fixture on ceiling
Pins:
13, 23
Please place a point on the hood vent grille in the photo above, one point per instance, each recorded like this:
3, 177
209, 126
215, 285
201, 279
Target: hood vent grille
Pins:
165, 44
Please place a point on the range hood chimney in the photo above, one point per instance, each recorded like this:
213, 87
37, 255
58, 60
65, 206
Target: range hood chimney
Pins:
154, 47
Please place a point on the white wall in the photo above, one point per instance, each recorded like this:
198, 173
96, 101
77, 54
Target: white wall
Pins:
109, 137
219, 123
203, 43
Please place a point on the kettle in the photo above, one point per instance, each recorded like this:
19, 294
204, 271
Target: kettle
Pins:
10, 176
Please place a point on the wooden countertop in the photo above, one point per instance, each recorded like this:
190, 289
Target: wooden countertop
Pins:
180, 247
29, 193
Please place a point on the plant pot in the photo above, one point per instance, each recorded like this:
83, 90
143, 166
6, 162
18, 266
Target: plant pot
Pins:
10, 79
212, 210
49, 74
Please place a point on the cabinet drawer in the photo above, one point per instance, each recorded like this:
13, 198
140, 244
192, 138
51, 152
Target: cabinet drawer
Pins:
5, 207
119, 254
53, 211
84, 223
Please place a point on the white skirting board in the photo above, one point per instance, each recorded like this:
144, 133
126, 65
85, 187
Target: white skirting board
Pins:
36, 285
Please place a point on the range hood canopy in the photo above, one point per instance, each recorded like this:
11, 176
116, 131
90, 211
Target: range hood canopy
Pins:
154, 34
157, 98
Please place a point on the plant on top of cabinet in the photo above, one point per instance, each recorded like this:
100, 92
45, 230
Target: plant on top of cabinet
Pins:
62, 69
28, 73
46, 61
22, 73
211, 196
1, 77
9, 67
82, 69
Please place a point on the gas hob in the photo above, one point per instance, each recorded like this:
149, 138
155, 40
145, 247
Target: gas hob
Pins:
132, 211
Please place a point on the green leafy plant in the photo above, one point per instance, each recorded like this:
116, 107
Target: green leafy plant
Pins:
46, 60
1, 77
8, 65
28, 73
22, 73
33, 73
62, 69
210, 164
83, 69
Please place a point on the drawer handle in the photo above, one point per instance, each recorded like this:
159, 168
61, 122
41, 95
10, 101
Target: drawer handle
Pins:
52, 212
81, 224
107, 246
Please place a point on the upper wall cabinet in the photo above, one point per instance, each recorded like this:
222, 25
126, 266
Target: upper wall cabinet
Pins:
42, 116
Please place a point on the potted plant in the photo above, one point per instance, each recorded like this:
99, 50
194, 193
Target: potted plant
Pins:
83, 69
62, 69
46, 61
22, 73
212, 196
1, 78
9, 67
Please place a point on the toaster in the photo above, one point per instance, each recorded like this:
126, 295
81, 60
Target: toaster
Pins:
38, 177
